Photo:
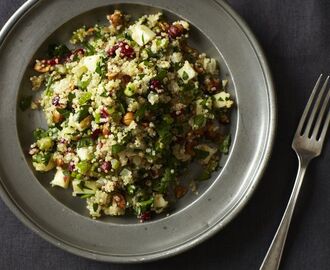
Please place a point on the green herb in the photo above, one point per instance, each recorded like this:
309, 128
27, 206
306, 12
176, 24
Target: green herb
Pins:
104, 94
139, 114
150, 53
48, 85
83, 84
131, 189
101, 68
84, 142
83, 113
90, 50
71, 96
177, 66
205, 175
95, 207
116, 117
39, 133
168, 119
162, 185
25, 102
58, 50
143, 206
117, 148
185, 76
224, 146
141, 76
85, 196
164, 133
201, 154
64, 112
121, 107
97, 118
142, 38
127, 36
84, 98
147, 63
162, 73
81, 185
41, 158
199, 120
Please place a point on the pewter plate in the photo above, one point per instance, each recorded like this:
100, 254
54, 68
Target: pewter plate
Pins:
63, 220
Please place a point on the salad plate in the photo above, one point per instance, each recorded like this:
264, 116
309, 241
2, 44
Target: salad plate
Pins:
62, 220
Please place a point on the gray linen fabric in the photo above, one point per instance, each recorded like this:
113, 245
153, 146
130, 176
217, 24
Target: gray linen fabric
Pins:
295, 36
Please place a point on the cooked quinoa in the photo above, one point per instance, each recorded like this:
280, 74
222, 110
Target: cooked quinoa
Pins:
129, 107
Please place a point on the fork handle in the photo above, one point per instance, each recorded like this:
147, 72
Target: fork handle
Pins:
273, 257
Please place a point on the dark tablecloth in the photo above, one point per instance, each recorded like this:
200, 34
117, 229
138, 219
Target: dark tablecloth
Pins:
295, 36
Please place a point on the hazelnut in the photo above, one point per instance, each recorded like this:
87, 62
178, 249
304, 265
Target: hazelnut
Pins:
116, 19
164, 26
59, 162
57, 117
105, 130
41, 66
180, 191
119, 200
112, 75
128, 118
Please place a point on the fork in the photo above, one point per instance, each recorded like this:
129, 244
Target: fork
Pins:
307, 143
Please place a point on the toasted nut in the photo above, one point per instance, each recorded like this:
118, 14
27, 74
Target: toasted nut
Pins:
119, 200
125, 79
112, 75
224, 119
116, 19
128, 118
85, 123
175, 31
41, 66
90, 31
164, 26
57, 117
59, 162
180, 191
212, 85
199, 68
105, 130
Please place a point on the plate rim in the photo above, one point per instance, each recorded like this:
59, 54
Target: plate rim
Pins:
240, 204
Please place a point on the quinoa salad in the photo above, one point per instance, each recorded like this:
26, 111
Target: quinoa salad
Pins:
130, 106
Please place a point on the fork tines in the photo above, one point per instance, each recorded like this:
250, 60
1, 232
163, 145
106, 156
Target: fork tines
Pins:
315, 113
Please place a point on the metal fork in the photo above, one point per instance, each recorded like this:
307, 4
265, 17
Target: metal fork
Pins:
307, 143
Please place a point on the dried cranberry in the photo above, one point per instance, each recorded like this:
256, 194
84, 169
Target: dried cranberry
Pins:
104, 113
56, 101
125, 50
71, 167
106, 166
175, 31
96, 134
112, 51
74, 53
53, 61
145, 216
155, 84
